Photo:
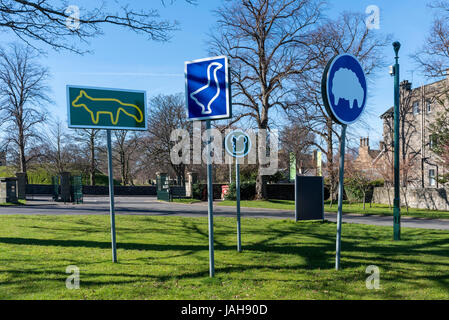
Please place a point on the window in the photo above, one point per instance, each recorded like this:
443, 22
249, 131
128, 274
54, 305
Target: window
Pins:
428, 106
416, 107
433, 141
432, 180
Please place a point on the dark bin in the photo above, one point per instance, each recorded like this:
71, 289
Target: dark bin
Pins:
309, 198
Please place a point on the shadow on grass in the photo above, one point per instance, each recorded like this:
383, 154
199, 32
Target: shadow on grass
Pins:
315, 247
316, 255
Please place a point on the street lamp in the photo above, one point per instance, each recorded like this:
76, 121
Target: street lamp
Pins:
397, 200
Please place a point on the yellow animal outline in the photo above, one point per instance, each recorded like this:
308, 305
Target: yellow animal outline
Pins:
95, 121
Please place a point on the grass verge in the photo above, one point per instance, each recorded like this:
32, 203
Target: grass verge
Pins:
167, 258
20, 203
186, 201
375, 209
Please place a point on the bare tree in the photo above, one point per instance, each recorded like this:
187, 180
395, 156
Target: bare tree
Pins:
297, 139
433, 57
60, 26
167, 114
346, 34
91, 141
357, 180
266, 41
55, 152
125, 146
23, 98
410, 107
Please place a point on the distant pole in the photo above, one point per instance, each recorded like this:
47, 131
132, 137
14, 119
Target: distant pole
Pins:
340, 195
237, 191
210, 195
397, 200
111, 197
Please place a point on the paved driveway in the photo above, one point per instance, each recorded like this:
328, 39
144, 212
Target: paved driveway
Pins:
150, 206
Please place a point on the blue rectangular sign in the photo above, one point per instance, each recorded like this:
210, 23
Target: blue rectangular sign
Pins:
208, 96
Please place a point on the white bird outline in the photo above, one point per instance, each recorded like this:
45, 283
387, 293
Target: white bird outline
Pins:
207, 109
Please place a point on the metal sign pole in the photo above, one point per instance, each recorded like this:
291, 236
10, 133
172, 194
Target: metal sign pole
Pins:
237, 189
397, 182
111, 196
340, 195
338, 70
210, 195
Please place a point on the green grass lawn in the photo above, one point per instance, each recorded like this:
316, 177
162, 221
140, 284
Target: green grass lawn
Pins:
186, 201
167, 258
20, 202
376, 209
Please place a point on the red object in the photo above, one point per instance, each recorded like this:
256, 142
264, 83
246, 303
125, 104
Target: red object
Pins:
224, 191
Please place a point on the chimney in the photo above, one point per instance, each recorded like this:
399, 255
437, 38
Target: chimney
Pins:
406, 85
364, 143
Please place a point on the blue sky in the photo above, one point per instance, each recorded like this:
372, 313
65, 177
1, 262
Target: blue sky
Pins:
122, 59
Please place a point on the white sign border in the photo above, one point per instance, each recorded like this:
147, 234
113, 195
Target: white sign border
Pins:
228, 90
327, 88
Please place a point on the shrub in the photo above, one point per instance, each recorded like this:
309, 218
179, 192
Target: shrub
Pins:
356, 189
197, 191
39, 176
247, 191
277, 177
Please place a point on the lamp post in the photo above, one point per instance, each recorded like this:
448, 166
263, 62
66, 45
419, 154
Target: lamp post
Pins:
397, 200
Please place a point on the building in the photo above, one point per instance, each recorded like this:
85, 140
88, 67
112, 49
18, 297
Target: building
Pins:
419, 107
369, 160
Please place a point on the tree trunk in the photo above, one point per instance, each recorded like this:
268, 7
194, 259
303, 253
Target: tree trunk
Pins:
23, 165
330, 163
123, 168
92, 160
21, 140
261, 180
263, 125
389, 197
364, 198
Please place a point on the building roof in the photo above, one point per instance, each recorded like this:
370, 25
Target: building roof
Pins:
387, 113
390, 111
374, 153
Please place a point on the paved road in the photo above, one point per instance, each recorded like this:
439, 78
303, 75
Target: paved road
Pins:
150, 206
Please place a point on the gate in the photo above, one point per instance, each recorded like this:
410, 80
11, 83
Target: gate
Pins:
163, 188
55, 189
77, 189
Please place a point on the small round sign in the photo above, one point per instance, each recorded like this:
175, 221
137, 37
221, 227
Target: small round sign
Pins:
344, 89
237, 144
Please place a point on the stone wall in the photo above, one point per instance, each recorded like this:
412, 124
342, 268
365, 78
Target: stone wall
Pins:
420, 198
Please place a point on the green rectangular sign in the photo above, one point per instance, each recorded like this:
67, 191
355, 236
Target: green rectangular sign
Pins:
104, 108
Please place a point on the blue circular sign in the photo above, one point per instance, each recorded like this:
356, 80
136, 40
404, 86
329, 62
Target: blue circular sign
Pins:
344, 89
